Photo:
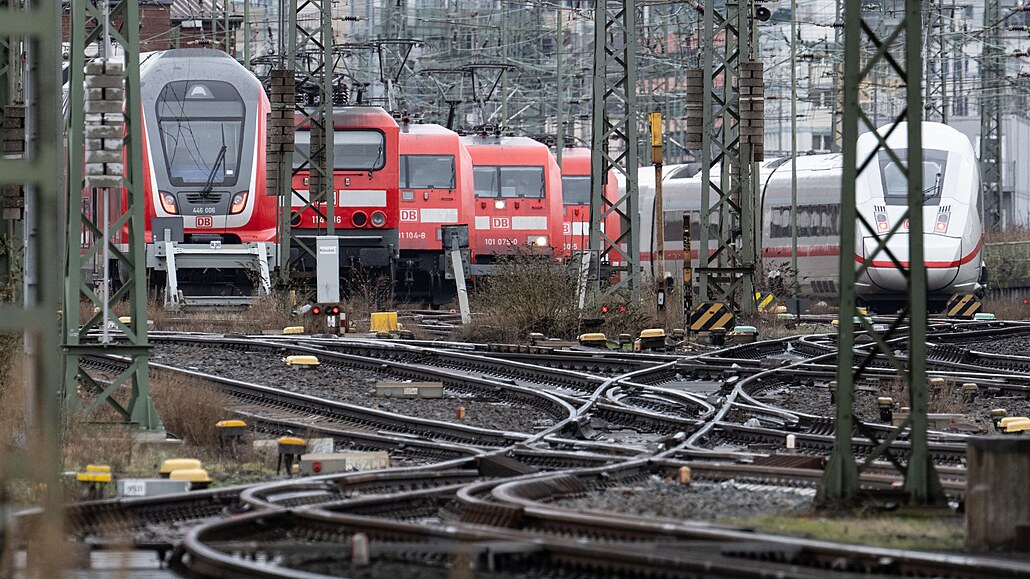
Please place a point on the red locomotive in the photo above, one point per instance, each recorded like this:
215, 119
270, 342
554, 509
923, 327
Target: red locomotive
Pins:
365, 179
436, 190
575, 186
517, 196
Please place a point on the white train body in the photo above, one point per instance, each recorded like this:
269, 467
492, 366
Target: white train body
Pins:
952, 214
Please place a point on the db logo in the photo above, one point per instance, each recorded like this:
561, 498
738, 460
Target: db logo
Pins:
409, 214
501, 223
567, 228
205, 222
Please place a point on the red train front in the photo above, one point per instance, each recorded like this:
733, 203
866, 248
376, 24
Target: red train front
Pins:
436, 190
365, 180
518, 196
575, 187
204, 118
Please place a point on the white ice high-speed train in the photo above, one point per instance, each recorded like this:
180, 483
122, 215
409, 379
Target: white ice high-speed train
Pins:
952, 214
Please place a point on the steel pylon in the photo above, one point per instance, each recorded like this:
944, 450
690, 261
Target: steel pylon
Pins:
864, 51
992, 81
615, 123
128, 394
731, 146
32, 30
309, 55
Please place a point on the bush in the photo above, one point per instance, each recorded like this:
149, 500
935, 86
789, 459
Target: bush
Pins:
526, 293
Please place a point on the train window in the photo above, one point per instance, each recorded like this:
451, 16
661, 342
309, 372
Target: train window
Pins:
522, 182
812, 221
427, 172
485, 181
509, 182
359, 150
201, 129
895, 182
353, 150
575, 190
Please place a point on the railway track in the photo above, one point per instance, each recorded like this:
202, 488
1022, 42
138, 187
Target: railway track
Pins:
616, 418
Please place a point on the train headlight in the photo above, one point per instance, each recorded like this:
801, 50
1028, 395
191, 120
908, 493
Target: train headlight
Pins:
168, 202
942, 222
359, 219
239, 203
540, 241
378, 219
881, 222
500, 204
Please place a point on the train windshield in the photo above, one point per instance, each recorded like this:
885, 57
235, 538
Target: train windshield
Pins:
509, 182
895, 183
575, 190
427, 172
201, 127
353, 150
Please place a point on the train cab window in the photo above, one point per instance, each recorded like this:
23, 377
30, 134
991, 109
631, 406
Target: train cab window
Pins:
352, 150
201, 129
895, 183
575, 190
427, 172
509, 182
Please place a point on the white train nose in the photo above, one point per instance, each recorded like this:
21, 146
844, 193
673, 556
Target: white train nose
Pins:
943, 257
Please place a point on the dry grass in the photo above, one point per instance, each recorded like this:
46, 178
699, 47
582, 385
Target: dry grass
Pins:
945, 400
271, 312
189, 408
937, 533
526, 293
1008, 308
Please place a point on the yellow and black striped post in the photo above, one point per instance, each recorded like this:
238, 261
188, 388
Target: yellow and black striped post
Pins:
962, 306
709, 316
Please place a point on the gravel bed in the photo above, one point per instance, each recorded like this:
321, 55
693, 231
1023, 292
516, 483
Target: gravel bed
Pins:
816, 400
350, 386
380, 569
700, 501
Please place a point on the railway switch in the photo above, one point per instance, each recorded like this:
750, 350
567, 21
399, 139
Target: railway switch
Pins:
290, 451
996, 415
173, 464
230, 433
95, 481
969, 391
304, 362
886, 406
198, 478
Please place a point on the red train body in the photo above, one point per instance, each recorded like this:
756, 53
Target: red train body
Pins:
575, 186
366, 183
518, 200
436, 189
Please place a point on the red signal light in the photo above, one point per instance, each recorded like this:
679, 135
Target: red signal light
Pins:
622, 308
316, 310
334, 310
1026, 301
604, 309
316, 467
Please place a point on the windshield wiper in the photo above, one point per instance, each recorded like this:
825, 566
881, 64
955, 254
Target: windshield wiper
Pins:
933, 191
218, 163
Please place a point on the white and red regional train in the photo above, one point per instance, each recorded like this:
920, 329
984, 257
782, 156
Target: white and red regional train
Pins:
952, 214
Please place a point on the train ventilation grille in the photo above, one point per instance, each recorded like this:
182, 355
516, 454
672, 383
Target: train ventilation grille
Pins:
944, 209
198, 198
880, 208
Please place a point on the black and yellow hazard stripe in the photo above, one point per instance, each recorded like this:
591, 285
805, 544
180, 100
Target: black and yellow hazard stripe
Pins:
708, 316
963, 306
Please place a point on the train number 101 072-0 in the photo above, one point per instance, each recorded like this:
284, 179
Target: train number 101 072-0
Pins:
501, 241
